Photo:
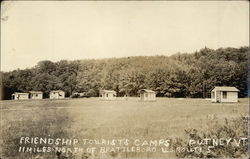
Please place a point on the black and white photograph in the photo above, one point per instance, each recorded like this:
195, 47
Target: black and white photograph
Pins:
124, 79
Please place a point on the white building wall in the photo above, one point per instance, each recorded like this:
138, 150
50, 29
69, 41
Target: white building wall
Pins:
213, 98
107, 96
231, 97
148, 96
111, 96
21, 96
55, 95
36, 96
152, 97
62, 95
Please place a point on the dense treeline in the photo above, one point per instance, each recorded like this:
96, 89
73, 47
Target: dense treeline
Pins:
179, 75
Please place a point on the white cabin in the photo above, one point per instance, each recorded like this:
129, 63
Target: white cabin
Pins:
57, 94
20, 96
224, 95
107, 95
147, 95
36, 95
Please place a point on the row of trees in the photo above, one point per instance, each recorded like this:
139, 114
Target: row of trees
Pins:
179, 75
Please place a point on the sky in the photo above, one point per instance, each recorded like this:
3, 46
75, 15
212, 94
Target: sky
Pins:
72, 30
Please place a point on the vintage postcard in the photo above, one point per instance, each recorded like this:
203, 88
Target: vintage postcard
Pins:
124, 79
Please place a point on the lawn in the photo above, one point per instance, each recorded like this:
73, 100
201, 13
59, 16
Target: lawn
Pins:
167, 118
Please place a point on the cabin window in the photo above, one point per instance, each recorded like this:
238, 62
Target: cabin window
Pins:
107, 95
224, 95
213, 95
146, 95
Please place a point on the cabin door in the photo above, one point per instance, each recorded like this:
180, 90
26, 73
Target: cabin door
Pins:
218, 96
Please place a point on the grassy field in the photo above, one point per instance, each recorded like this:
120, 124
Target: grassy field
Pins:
166, 118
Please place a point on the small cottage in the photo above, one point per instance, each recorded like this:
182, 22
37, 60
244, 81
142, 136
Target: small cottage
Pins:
20, 96
224, 94
107, 95
147, 95
36, 95
57, 94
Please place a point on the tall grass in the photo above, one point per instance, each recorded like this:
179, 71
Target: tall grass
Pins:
93, 119
236, 128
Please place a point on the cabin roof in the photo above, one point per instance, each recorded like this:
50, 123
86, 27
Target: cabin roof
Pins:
224, 88
37, 92
56, 91
146, 90
20, 93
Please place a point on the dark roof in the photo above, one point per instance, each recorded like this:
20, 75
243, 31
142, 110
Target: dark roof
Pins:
224, 88
20, 93
36, 92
